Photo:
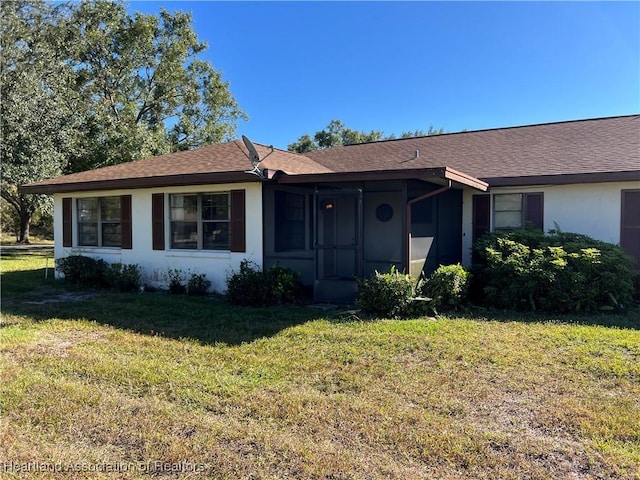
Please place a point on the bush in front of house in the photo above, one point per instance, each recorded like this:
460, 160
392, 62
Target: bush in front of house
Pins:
95, 272
558, 272
198, 285
389, 295
447, 287
252, 286
284, 285
175, 279
246, 286
126, 278
82, 270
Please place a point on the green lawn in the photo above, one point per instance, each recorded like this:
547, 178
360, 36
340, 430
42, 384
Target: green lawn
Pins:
104, 380
10, 240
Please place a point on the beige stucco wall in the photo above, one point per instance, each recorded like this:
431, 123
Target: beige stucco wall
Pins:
593, 209
155, 263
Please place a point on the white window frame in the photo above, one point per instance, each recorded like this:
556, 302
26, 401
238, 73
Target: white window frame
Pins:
199, 221
99, 222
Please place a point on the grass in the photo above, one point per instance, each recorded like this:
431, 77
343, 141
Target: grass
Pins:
10, 240
122, 381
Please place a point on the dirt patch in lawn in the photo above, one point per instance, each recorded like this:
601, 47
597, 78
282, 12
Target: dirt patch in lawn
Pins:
62, 297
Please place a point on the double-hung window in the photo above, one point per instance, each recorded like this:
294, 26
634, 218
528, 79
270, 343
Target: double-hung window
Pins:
99, 222
200, 221
514, 211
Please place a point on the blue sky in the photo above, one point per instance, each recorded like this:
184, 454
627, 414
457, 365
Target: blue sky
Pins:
397, 66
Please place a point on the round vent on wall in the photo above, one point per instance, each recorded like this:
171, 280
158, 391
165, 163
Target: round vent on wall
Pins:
384, 212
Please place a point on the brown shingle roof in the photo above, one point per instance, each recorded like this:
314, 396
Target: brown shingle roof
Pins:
565, 152
607, 145
219, 163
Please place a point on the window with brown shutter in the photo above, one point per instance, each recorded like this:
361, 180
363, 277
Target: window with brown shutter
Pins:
630, 224
99, 221
125, 222
514, 211
481, 215
67, 222
533, 211
200, 221
157, 221
238, 228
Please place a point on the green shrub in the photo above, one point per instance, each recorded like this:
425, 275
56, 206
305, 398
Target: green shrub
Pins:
252, 286
82, 270
175, 281
198, 284
447, 286
284, 285
559, 272
389, 295
126, 278
246, 287
95, 272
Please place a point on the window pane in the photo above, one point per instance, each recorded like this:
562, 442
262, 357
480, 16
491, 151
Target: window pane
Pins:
184, 208
216, 235
507, 220
111, 235
512, 202
289, 221
215, 206
110, 209
87, 209
294, 210
184, 235
88, 234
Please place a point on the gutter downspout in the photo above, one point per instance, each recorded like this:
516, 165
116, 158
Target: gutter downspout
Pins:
408, 217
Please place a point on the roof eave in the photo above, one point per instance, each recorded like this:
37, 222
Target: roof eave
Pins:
444, 173
143, 182
565, 179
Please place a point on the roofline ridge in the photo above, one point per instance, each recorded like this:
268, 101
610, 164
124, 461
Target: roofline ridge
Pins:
558, 122
280, 149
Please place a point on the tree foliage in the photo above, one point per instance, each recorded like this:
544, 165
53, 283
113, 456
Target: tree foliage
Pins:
422, 133
337, 133
86, 85
334, 134
145, 90
37, 106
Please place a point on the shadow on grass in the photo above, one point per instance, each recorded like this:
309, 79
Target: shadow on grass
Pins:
208, 320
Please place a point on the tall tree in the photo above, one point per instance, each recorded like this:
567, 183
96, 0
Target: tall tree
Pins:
304, 144
146, 91
335, 133
86, 85
38, 124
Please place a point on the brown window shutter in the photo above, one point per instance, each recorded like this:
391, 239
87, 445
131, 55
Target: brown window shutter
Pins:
157, 221
125, 222
67, 222
238, 235
534, 211
481, 215
630, 224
